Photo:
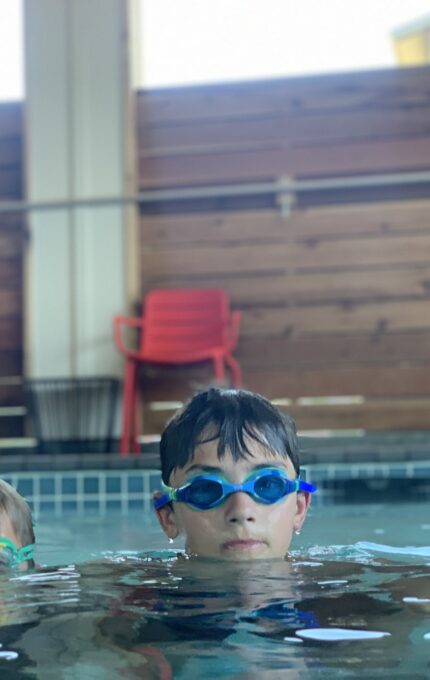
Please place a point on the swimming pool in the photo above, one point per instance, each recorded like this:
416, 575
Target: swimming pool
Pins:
154, 615
72, 538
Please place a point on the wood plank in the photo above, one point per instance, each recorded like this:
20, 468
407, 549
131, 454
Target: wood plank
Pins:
398, 381
373, 415
11, 362
12, 426
11, 119
341, 254
396, 217
307, 288
10, 302
167, 383
384, 89
353, 317
11, 395
399, 155
11, 183
11, 332
292, 130
11, 152
323, 351
11, 273
13, 220
11, 243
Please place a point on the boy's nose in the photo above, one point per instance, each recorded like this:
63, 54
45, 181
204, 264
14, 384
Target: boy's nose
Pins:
240, 508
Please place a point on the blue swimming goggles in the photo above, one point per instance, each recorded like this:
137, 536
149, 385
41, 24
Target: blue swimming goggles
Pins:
267, 485
11, 556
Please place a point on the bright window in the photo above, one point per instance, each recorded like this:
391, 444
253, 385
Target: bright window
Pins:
11, 50
197, 41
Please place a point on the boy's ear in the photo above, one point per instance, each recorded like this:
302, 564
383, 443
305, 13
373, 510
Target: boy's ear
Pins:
167, 518
302, 507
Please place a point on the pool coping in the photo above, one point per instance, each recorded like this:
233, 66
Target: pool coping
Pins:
150, 460
362, 448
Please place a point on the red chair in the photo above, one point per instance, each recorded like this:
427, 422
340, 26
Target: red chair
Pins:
179, 326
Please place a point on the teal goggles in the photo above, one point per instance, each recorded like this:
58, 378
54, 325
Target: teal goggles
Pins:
11, 556
204, 492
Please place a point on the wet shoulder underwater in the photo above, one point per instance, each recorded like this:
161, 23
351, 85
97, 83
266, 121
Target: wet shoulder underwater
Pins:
349, 611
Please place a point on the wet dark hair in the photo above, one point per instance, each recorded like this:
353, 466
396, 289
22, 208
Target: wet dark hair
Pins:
230, 416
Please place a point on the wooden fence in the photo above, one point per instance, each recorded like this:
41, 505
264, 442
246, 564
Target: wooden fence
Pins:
315, 126
335, 298
11, 284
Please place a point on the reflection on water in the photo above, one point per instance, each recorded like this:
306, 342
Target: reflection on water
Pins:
158, 615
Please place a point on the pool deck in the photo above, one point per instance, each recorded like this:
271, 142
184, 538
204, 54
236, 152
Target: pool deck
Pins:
376, 447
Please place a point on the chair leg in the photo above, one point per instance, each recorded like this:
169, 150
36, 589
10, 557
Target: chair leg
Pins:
128, 407
135, 416
236, 371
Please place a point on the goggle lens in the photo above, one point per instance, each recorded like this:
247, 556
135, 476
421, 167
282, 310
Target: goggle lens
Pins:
270, 488
6, 557
11, 556
203, 493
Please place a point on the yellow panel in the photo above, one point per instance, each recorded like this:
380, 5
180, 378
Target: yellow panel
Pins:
412, 50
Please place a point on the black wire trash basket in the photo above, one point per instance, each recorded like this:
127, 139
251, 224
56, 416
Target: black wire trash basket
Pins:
72, 415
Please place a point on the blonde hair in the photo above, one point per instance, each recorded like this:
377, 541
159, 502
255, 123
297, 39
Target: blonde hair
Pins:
13, 506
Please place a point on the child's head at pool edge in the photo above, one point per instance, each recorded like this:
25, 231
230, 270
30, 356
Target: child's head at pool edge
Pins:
233, 434
16, 528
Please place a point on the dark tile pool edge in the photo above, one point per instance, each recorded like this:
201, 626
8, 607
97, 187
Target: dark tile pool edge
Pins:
95, 491
77, 461
407, 469
86, 492
376, 482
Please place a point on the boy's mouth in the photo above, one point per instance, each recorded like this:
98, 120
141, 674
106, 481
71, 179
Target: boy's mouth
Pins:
245, 544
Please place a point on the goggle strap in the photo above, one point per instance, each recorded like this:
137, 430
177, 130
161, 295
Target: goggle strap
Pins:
166, 498
170, 491
18, 555
6, 543
25, 553
305, 486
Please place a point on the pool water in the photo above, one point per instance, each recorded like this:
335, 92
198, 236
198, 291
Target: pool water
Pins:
356, 570
75, 539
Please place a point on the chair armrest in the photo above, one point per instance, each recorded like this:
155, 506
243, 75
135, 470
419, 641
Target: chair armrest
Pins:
131, 322
235, 319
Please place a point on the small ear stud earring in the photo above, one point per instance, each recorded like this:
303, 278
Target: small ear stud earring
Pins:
297, 532
170, 540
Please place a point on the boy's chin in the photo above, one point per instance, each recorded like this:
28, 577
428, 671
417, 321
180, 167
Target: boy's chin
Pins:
232, 556
245, 557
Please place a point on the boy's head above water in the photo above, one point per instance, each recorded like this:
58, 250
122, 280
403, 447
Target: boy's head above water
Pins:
225, 438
